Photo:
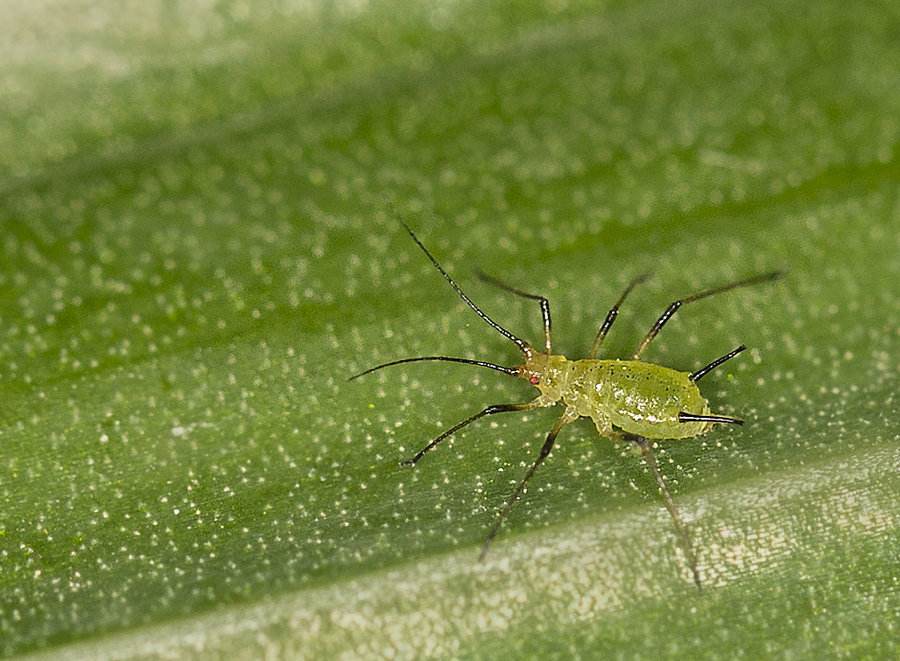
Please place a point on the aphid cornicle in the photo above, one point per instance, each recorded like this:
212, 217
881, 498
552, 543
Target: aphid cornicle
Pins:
628, 400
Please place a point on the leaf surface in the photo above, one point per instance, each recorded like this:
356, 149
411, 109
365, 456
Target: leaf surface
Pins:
200, 244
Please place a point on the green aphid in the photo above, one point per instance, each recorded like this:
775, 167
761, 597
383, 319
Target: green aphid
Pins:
628, 400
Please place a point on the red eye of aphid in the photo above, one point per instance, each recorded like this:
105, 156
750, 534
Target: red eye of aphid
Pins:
534, 380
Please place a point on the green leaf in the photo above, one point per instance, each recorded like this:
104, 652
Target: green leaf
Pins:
200, 244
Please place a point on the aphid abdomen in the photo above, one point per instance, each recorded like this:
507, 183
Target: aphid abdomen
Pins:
645, 399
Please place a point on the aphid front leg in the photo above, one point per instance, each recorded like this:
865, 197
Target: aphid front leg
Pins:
544, 303
567, 417
490, 410
684, 537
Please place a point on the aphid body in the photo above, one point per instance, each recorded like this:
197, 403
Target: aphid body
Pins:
635, 397
628, 400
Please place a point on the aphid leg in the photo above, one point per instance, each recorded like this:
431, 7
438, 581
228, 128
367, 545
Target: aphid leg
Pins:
544, 303
703, 371
613, 313
490, 410
681, 530
674, 305
563, 420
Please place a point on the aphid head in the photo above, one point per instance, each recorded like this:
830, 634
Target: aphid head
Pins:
532, 370
544, 371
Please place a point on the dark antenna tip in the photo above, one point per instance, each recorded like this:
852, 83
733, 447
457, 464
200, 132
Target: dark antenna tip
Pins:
642, 277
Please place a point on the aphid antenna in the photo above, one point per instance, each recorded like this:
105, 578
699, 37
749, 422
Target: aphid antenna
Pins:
524, 347
447, 359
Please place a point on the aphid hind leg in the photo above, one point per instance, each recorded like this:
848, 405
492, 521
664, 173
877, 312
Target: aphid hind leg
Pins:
681, 529
703, 371
675, 305
490, 410
542, 301
567, 417
613, 313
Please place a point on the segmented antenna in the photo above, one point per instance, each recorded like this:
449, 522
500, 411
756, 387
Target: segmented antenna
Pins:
524, 347
447, 359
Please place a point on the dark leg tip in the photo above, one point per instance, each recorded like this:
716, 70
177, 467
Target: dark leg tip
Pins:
410, 462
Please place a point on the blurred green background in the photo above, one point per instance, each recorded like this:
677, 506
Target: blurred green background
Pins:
199, 243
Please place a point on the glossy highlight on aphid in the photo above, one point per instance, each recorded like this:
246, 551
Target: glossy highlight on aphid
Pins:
628, 400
